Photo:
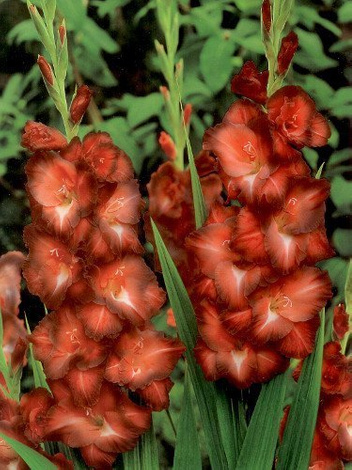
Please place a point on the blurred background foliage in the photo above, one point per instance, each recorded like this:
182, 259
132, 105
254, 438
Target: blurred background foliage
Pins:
111, 46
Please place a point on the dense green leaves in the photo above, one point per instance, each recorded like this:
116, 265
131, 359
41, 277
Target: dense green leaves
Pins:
145, 455
187, 329
187, 451
260, 442
295, 449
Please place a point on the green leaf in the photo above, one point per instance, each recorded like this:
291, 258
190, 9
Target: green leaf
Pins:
345, 13
341, 103
337, 269
311, 54
215, 61
319, 90
98, 38
232, 422
342, 241
341, 195
311, 157
37, 368
248, 5
145, 455
341, 46
258, 450
295, 449
107, 7
143, 108
33, 459
338, 157
24, 31
187, 451
75, 13
309, 16
187, 328
200, 211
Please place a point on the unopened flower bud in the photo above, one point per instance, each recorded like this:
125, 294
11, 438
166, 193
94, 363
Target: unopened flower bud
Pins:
62, 33
266, 15
80, 103
289, 45
45, 70
165, 92
167, 145
187, 113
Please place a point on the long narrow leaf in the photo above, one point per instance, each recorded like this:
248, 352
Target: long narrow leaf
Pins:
258, 449
145, 455
187, 328
200, 211
232, 423
37, 368
187, 451
33, 459
295, 449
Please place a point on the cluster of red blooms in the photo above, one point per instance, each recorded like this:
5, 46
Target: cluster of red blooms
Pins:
332, 442
171, 205
98, 344
256, 291
17, 420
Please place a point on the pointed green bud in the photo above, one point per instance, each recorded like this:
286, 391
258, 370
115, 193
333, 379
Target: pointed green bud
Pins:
39, 24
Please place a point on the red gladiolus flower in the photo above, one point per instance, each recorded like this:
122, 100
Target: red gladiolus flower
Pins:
129, 288
59, 341
142, 356
38, 136
251, 83
50, 269
340, 321
294, 298
294, 115
336, 424
156, 395
113, 425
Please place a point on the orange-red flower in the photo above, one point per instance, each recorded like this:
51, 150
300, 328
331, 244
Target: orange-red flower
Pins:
37, 136
294, 116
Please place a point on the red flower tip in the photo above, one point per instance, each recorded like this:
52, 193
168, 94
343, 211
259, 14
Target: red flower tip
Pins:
340, 321
80, 103
38, 136
171, 318
251, 83
266, 16
289, 45
187, 113
165, 92
167, 145
62, 33
45, 69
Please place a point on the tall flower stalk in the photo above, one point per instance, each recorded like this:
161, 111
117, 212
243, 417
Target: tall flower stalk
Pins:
97, 345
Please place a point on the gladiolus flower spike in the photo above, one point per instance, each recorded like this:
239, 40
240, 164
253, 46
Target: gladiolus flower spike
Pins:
85, 264
256, 292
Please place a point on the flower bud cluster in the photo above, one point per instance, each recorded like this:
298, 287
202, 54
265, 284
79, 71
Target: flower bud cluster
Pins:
85, 264
256, 291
